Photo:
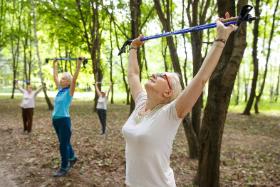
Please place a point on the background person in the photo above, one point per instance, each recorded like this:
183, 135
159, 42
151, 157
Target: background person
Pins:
101, 107
27, 105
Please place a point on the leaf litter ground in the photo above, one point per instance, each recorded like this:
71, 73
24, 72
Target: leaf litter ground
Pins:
250, 149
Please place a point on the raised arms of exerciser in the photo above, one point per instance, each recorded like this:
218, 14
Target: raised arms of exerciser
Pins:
190, 94
55, 73
108, 92
133, 68
19, 87
75, 76
97, 90
40, 89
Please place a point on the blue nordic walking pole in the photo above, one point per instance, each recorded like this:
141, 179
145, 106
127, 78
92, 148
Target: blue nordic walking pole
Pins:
85, 61
244, 16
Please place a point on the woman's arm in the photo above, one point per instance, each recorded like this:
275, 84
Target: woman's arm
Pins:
75, 76
190, 94
108, 92
19, 87
40, 89
133, 68
97, 90
55, 74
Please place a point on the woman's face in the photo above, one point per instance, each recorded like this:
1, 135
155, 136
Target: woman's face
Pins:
29, 88
64, 81
103, 94
158, 84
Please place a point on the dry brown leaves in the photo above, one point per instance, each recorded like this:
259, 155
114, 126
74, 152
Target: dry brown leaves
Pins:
250, 150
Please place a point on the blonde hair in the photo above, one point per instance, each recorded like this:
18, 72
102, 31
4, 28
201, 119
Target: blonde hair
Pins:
174, 78
68, 76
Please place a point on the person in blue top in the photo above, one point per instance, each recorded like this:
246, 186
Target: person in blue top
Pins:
61, 117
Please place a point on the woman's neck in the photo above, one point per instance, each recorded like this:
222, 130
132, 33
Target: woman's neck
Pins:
65, 86
152, 103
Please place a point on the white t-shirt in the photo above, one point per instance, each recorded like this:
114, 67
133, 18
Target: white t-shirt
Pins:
28, 100
102, 103
149, 145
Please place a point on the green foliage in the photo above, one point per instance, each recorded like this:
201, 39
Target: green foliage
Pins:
61, 33
265, 106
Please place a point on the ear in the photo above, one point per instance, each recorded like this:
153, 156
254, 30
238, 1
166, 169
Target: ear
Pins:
167, 93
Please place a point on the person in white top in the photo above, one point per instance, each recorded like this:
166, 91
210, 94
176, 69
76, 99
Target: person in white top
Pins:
27, 105
101, 106
151, 128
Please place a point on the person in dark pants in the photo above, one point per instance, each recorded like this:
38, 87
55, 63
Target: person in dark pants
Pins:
27, 105
61, 117
102, 107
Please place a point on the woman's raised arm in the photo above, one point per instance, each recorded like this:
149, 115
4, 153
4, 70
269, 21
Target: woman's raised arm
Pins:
190, 94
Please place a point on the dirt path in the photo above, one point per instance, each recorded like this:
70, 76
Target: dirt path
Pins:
6, 178
6, 174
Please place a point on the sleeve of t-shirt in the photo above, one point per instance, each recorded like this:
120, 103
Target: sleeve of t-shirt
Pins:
168, 122
140, 100
172, 112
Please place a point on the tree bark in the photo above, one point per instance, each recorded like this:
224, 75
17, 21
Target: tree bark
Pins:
33, 6
277, 86
2, 21
15, 47
237, 89
135, 14
111, 61
166, 24
255, 61
122, 67
258, 97
92, 37
196, 16
246, 83
220, 89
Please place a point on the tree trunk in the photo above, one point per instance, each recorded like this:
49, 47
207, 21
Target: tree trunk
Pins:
220, 89
92, 34
277, 86
166, 24
15, 54
33, 6
255, 61
111, 62
122, 67
30, 49
245, 85
2, 21
191, 137
197, 17
170, 42
145, 61
237, 89
15, 35
164, 54
135, 14
185, 44
196, 42
25, 45
258, 97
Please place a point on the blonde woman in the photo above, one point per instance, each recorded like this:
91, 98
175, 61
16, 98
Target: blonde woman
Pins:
61, 117
151, 128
